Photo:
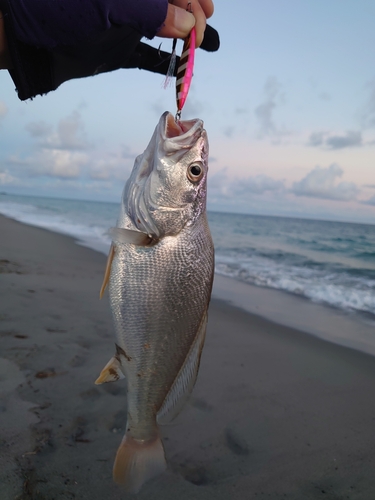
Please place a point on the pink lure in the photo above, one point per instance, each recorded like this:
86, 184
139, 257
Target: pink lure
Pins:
185, 70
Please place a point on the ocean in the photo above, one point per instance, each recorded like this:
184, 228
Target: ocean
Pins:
332, 263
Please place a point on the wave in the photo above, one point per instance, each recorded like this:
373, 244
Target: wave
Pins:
87, 233
335, 286
327, 263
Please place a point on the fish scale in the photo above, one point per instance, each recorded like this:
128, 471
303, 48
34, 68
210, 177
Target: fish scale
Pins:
160, 272
146, 319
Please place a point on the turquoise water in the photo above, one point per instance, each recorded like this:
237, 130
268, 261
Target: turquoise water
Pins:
328, 262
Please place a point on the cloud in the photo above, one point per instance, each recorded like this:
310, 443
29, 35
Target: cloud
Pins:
58, 151
3, 109
241, 111
5, 177
352, 138
229, 131
194, 107
127, 153
61, 164
316, 139
258, 184
16, 162
321, 183
264, 112
115, 167
325, 96
39, 129
368, 113
371, 201
223, 184
50, 163
59, 154
69, 134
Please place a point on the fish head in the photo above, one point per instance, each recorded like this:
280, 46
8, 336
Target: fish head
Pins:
167, 188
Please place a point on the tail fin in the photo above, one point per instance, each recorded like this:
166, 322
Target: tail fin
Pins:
137, 462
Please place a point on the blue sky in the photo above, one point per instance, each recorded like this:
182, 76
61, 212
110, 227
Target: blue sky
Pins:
288, 103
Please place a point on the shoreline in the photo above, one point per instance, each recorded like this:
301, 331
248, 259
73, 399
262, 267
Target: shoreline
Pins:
283, 308
279, 306
275, 412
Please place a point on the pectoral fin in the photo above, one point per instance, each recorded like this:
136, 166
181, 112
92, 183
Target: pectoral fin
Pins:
121, 235
107, 272
185, 380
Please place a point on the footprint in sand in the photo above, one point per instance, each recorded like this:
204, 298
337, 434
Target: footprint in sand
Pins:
119, 422
75, 433
235, 442
8, 267
115, 389
91, 394
201, 404
194, 473
8, 333
77, 360
10, 376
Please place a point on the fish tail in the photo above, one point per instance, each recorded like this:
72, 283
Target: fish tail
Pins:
138, 461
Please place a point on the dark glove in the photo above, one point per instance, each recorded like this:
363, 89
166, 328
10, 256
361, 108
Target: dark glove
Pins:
157, 61
38, 71
118, 47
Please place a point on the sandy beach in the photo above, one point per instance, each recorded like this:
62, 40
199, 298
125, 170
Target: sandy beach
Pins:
276, 413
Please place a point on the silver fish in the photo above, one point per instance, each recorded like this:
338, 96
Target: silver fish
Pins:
160, 273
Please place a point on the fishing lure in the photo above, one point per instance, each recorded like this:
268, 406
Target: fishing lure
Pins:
185, 72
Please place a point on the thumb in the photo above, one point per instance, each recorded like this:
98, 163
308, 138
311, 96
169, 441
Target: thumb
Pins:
177, 24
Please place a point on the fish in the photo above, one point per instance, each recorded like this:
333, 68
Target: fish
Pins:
159, 274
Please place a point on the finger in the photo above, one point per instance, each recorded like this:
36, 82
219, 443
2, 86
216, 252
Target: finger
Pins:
200, 22
177, 24
208, 7
199, 8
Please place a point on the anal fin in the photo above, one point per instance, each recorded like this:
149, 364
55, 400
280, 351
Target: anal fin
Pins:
111, 372
185, 379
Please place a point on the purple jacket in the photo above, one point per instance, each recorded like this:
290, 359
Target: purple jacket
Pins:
52, 23
51, 41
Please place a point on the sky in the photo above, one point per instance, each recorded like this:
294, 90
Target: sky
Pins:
288, 103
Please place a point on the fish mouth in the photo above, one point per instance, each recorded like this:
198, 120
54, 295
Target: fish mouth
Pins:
171, 140
174, 128
179, 134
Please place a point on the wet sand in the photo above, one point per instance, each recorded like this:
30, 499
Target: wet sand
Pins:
276, 413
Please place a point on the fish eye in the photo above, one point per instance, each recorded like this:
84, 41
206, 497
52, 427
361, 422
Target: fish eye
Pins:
195, 172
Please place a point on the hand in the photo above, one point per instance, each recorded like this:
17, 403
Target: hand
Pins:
179, 22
